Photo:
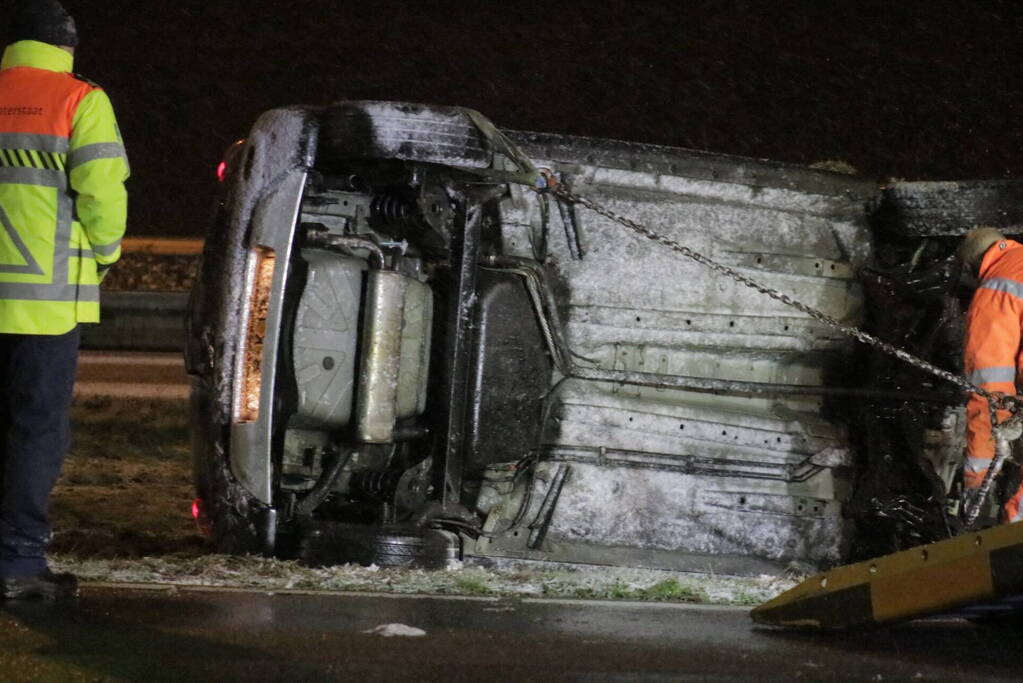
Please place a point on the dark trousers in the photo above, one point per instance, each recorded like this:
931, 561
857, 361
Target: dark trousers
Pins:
37, 377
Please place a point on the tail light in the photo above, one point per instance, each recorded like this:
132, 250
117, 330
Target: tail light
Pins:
231, 156
202, 520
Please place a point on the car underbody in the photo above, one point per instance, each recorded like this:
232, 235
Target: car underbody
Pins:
404, 354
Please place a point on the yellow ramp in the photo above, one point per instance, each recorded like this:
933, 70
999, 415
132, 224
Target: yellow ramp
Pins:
971, 573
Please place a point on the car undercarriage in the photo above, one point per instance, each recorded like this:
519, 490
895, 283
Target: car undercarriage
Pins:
404, 354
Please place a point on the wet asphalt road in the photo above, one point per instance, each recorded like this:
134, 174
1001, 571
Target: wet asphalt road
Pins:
197, 635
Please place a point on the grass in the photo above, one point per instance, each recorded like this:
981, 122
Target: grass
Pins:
106, 428
473, 584
122, 515
671, 590
259, 573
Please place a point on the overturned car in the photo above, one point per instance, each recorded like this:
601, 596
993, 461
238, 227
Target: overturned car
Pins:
404, 353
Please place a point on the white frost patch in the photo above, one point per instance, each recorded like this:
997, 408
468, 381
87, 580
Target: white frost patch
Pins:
601, 583
424, 134
390, 630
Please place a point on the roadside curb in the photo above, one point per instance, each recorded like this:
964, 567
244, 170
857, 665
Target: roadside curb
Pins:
176, 589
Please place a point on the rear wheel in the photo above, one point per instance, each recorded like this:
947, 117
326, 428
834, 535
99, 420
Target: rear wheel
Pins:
935, 209
325, 543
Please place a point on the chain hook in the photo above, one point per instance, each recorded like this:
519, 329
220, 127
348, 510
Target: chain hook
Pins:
547, 181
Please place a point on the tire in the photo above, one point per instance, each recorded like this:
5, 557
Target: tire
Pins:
325, 543
949, 209
408, 132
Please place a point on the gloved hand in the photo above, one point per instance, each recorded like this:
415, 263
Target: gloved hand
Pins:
546, 181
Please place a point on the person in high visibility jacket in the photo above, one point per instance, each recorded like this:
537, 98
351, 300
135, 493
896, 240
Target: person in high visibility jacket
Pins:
993, 359
62, 216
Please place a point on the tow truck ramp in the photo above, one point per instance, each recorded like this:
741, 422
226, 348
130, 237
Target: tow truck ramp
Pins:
976, 575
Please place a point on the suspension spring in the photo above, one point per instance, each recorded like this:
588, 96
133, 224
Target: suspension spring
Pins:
396, 212
376, 485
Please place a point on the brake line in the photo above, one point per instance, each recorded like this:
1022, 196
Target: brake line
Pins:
1002, 433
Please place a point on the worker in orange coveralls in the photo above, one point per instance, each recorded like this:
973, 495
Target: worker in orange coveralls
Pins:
992, 353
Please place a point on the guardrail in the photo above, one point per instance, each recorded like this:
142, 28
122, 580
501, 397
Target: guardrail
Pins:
167, 246
138, 321
143, 321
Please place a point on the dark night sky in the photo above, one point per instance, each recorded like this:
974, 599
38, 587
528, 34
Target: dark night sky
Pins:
912, 89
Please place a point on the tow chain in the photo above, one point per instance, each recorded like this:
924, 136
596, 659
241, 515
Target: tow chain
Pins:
996, 401
1003, 434
817, 315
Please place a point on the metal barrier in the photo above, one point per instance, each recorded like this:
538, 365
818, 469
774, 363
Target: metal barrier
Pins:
165, 246
139, 321
143, 321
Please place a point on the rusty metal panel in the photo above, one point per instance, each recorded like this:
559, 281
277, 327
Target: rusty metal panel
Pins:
395, 354
417, 316
376, 405
706, 478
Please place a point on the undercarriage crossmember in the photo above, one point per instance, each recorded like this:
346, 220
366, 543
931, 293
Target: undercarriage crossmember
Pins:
404, 355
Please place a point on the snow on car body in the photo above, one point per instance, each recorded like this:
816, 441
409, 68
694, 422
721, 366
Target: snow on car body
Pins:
403, 354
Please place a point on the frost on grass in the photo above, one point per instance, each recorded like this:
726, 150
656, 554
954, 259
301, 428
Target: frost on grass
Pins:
278, 575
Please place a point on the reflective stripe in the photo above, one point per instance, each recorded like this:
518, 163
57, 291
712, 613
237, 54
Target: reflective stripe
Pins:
31, 158
62, 246
41, 143
1001, 373
28, 292
30, 265
52, 161
107, 249
84, 253
33, 176
99, 150
977, 465
1005, 285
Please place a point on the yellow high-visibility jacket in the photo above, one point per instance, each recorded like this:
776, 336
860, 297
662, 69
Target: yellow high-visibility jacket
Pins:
63, 206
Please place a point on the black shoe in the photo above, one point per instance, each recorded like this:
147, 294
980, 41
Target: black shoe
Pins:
43, 587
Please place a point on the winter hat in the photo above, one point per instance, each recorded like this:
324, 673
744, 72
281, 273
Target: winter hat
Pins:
44, 20
973, 247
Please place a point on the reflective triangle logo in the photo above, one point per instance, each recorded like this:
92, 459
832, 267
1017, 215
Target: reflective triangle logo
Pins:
29, 266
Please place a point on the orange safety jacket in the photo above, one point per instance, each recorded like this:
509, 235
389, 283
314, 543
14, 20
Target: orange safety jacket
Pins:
992, 355
63, 204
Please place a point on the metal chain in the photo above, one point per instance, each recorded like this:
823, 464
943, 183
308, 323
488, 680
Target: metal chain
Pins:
819, 316
1003, 434
1000, 432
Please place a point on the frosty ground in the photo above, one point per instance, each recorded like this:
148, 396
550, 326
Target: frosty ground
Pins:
122, 514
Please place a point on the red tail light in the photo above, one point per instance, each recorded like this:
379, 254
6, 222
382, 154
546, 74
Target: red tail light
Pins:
225, 167
202, 522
